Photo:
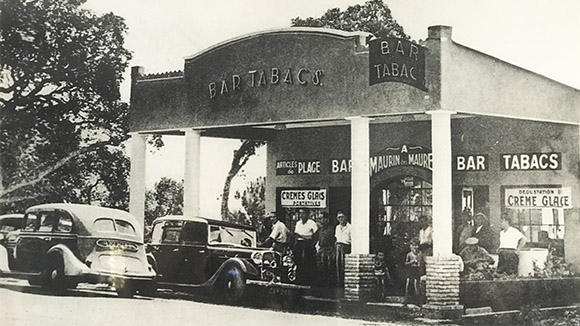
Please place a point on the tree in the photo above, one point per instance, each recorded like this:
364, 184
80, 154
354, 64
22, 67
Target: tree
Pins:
253, 203
373, 17
241, 156
166, 198
62, 122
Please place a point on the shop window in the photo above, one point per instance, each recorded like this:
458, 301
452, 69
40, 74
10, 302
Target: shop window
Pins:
537, 223
541, 222
404, 200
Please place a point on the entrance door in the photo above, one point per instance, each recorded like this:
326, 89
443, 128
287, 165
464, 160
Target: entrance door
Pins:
396, 206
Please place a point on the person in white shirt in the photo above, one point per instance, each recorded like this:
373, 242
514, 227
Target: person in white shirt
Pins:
304, 251
343, 241
511, 241
279, 236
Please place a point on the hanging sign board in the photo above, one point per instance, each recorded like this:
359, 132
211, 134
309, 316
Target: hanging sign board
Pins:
538, 197
396, 60
310, 198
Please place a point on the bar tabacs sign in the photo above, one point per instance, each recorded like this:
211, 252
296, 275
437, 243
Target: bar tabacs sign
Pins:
396, 60
538, 197
310, 198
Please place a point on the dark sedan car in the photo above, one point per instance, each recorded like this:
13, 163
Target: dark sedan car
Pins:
198, 252
61, 245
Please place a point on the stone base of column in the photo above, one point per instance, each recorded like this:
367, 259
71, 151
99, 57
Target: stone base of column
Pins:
359, 277
443, 288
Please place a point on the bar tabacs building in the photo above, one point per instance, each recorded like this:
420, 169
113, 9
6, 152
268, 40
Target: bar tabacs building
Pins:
383, 129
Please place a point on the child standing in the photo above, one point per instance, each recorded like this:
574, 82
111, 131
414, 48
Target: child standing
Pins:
382, 274
413, 271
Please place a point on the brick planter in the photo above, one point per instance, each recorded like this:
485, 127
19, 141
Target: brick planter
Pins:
443, 288
515, 293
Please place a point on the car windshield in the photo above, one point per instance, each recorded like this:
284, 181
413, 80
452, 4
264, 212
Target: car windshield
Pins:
231, 235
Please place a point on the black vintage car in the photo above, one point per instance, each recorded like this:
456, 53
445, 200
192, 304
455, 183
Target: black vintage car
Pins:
194, 252
60, 245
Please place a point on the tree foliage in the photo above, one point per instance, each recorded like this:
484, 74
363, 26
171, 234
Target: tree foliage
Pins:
373, 17
253, 200
166, 198
61, 120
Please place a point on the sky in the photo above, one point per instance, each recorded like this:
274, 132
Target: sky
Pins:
541, 36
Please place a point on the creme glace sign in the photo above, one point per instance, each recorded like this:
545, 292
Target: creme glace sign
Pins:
261, 78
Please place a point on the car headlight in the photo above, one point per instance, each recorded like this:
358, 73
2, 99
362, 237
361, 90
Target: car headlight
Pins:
287, 261
257, 257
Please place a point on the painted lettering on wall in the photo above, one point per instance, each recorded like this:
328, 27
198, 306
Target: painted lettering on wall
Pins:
531, 161
471, 162
405, 155
262, 78
312, 198
293, 167
538, 197
398, 60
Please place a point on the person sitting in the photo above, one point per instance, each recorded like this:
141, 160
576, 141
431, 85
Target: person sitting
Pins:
475, 258
482, 231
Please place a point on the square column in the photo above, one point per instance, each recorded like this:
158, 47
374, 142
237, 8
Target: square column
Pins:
360, 184
442, 165
443, 267
191, 183
137, 150
359, 278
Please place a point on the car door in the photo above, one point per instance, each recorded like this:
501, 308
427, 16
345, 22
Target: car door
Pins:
34, 241
193, 253
43, 230
165, 248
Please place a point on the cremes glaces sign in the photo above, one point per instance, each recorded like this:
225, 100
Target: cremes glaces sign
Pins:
309, 198
262, 78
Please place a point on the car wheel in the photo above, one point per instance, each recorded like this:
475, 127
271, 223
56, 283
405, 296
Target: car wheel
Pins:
124, 288
52, 276
232, 285
149, 289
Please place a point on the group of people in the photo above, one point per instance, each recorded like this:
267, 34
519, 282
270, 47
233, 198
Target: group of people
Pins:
476, 240
319, 245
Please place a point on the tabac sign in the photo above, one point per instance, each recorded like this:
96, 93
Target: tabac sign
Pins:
396, 60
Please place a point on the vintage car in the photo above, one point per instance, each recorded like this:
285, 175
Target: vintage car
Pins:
61, 245
10, 223
194, 252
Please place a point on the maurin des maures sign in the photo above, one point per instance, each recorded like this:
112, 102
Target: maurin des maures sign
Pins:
396, 60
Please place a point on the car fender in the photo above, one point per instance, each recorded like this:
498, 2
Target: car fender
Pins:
4, 267
243, 264
72, 265
152, 261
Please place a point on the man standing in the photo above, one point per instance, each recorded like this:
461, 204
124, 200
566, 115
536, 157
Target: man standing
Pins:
511, 241
279, 236
304, 252
342, 234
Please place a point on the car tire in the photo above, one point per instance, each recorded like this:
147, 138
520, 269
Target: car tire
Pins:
124, 288
232, 285
52, 276
148, 289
